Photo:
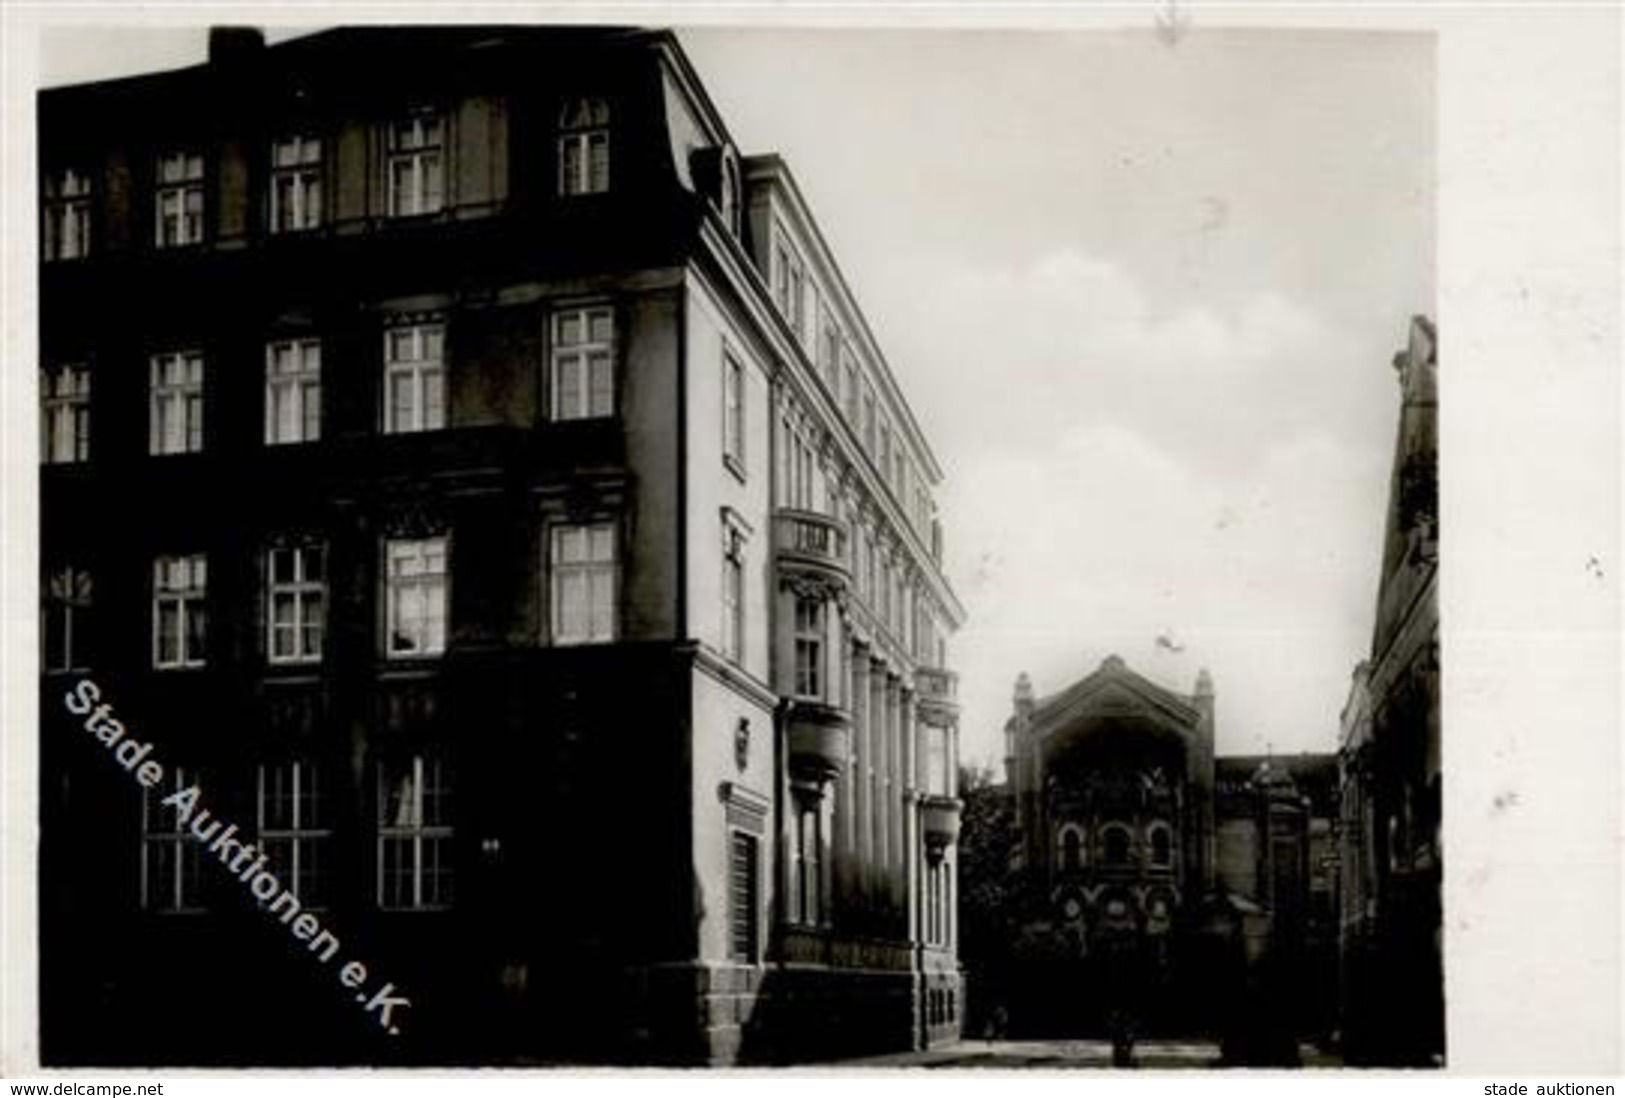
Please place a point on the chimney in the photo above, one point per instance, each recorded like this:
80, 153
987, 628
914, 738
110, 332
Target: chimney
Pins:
232, 46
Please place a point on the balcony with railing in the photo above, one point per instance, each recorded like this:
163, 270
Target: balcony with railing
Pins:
811, 546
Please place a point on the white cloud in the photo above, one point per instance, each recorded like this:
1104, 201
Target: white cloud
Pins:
1031, 351
1121, 470
1098, 541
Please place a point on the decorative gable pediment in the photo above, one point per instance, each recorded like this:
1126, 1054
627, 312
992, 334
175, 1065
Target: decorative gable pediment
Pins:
1114, 693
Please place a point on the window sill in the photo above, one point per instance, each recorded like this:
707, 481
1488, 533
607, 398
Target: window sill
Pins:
410, 661
420, 217
290, 669
390, 432
438, 909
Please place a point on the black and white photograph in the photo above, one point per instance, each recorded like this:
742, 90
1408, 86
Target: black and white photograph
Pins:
584, 539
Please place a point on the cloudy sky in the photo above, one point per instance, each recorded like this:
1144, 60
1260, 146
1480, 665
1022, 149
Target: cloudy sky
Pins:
1144, 298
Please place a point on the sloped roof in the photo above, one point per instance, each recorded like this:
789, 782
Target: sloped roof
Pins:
1053, 710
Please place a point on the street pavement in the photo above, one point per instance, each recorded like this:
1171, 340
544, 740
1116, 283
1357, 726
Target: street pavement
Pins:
1151, 1055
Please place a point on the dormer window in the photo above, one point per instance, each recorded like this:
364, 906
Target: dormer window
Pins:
584, 147
729, 204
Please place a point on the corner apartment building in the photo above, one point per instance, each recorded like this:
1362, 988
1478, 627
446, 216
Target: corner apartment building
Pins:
478, 477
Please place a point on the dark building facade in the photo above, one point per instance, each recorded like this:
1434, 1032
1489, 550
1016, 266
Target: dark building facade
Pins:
1155, 880
477, 480
1392, 861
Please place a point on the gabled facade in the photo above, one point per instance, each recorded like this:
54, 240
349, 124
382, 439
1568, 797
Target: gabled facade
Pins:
477, 477
1157, 880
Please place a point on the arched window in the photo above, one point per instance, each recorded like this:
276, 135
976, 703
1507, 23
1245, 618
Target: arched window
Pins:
1162, 845
1071, 849
1115, 841
584, 147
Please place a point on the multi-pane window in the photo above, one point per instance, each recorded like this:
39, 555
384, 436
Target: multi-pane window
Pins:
171, 860
179, 614
829, 349
886, 588
416, 165
296, 184
584, 362
66, 628
296, 596
798, 469
65, 414
939, 887
872, 565
851, 389
295, 829
415, 597
743, 891
798, 298
293, 391
414, 833
733, 412
938, 762
584, 582
869, 418
789, 284
809, 637
175, 419
733, 593
179, 200
414, 378
584, 147
66, 199
806, 869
